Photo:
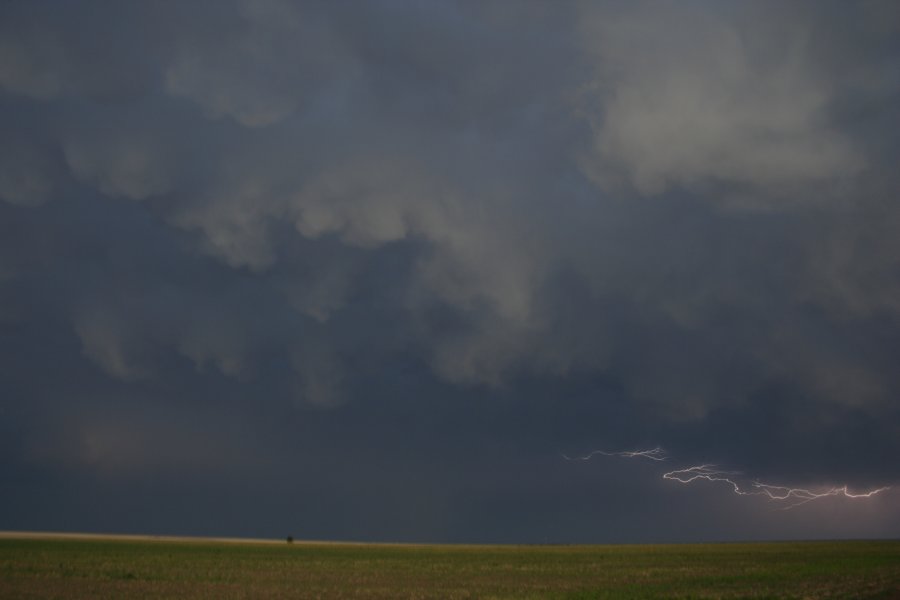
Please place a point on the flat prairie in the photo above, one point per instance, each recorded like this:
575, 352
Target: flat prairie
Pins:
72, 566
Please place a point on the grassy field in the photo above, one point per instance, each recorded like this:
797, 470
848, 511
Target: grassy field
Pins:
146, 568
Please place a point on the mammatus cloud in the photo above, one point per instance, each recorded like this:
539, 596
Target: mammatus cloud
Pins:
690, 97
107, 341
281, 57
125, 168
728, 104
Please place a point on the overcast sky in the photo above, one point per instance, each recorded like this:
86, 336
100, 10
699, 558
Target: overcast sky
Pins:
368, 270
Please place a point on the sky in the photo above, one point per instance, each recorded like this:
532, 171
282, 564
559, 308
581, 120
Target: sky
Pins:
387, 271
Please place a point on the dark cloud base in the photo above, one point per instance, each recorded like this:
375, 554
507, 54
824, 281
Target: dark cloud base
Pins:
367, 271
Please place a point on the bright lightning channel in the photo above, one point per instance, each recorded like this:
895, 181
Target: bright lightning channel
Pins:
657, 454
793, 497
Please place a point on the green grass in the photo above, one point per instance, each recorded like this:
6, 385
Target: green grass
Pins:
67, 568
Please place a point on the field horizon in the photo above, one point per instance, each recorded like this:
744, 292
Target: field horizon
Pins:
226, 539
91, 565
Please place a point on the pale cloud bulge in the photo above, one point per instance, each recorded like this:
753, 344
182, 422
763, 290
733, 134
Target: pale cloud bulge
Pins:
280, 58
685, 96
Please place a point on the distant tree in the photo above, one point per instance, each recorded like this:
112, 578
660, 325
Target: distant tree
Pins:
290, 539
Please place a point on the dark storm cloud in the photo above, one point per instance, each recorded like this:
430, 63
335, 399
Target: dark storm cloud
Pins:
384, 261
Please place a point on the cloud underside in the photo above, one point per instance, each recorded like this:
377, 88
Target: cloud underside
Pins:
693, 206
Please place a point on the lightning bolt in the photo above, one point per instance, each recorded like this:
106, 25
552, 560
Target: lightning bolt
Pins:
657, 454
791, 496
794, 496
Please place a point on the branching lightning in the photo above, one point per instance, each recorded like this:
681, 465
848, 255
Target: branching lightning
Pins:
657, 454
790, 496
780, 493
